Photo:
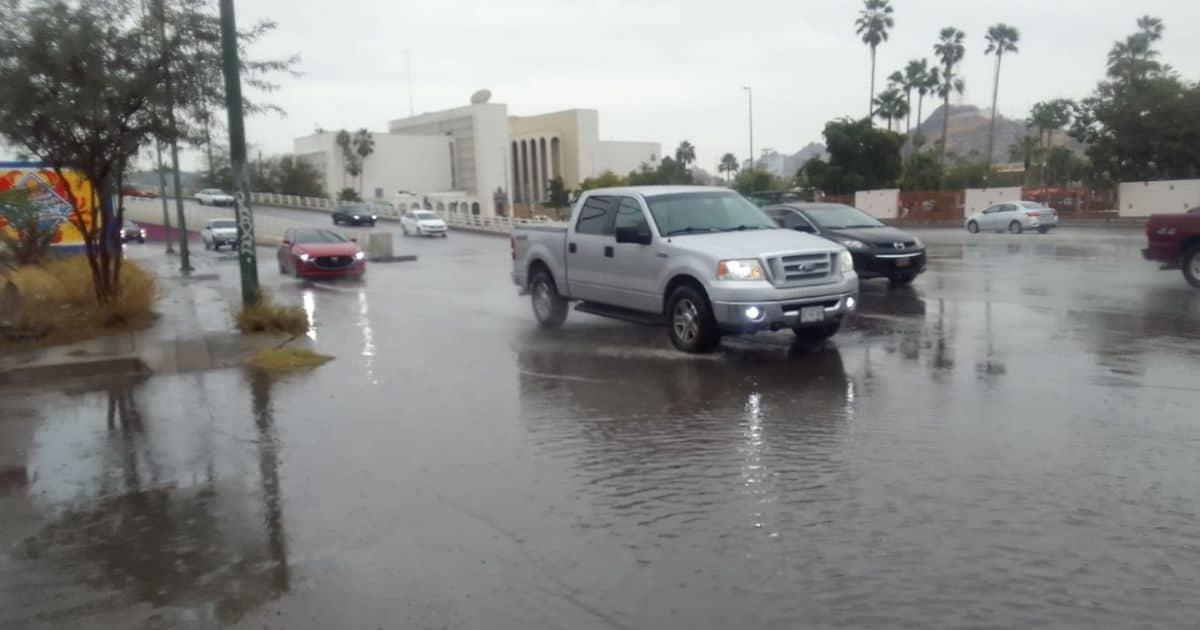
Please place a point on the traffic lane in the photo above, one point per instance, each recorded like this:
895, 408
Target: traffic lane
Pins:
962, 450
961, 442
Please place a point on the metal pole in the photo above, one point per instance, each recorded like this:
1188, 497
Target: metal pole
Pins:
408, 64
184, 260
162, 193
750, 108
247, 255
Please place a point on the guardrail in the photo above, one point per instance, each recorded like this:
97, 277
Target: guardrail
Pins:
491, 225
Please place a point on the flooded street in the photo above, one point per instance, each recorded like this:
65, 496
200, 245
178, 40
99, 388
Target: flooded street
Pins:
1013, 441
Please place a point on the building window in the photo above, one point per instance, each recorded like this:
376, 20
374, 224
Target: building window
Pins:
441, 207
475, 208
379, 193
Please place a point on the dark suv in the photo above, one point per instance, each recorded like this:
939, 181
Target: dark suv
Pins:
355, 214
878, 250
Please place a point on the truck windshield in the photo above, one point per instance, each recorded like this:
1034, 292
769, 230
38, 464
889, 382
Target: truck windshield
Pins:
705, 212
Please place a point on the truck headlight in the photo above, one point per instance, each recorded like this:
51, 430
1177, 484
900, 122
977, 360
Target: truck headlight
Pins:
847, 261
851, 243
744, 269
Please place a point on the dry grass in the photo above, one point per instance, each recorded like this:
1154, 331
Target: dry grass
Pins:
268, 317
286, 359
56, 298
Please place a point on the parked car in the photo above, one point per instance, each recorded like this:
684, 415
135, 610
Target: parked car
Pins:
354, 214
422, 223
1014, 217
1174, 241
878, 250
318, 253
703, 261
134, 191
130, 231
218, 232
214, 197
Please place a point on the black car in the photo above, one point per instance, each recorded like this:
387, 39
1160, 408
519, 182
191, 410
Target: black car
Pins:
356, 214
878, 250
131, 232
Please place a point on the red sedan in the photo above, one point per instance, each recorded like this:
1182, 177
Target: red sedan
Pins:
317, 253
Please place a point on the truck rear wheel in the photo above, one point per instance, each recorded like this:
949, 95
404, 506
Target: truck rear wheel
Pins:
1191, 266
549, 307
690, 322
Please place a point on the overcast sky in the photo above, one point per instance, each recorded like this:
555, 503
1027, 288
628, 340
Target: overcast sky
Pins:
666, 70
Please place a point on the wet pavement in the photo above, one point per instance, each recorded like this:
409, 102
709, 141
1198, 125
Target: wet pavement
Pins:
1012, 442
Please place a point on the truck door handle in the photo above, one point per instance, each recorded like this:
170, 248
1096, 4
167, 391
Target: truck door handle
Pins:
571, 247
608, 252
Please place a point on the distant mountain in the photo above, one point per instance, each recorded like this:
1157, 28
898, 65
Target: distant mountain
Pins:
968, 134
785, 165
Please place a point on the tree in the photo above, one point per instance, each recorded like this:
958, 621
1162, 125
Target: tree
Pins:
349, 194
669, 171
729, 166
1134, 59
971, 175
1001, 39
607, 179
1049, 116
914, 75
557, 195
950, 51
79, 89
293, 175
24, 232
860, 158
750, 181
872, 24
931, 78
364, 146
890, 106
685, 154
921, 171
1023, 150
351, 162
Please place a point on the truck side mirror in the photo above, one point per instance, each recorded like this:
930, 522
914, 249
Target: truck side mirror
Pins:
633, 235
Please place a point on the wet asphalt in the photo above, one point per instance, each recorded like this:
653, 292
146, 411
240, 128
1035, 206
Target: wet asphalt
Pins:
1012, 442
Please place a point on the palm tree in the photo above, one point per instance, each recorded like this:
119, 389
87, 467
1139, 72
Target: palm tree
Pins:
872, 25
1134, 58
350, 162
914, 73
1049, 116
364, 146
890, 105
686, 153
931, 78
1023, 150
1001, 38
729, 166
950, 51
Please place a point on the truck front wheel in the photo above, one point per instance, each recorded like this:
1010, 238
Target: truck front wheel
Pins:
1191, 266
549, 307
690, 322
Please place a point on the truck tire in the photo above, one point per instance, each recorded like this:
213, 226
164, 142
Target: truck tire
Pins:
813, 334
690, 322
1191, 266
549, 308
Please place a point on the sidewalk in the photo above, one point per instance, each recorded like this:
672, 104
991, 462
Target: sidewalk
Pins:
193, 331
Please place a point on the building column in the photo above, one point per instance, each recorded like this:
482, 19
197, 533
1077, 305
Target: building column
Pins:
524, 168
534, 157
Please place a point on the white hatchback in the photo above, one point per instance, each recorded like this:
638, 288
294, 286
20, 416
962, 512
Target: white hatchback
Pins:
1014, 217
422, 223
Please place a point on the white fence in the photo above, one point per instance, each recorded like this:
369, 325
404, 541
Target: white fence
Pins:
1142, 199
881, 204
291, 201
495, 225
979, 199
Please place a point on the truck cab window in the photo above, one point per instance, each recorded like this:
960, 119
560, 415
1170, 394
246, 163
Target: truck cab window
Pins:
596, 216
630, 215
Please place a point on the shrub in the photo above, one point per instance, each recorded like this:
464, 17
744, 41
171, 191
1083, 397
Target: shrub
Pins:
266, 316
282, 359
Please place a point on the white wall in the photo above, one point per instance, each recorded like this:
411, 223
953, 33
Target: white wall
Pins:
400, 162
1141, 199
979, 199
587, 131
623, 157
492, 155
881, 204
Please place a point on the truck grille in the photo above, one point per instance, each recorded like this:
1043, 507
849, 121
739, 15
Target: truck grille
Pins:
802, 268
333, 262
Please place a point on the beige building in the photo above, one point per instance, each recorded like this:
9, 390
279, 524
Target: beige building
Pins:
567, 144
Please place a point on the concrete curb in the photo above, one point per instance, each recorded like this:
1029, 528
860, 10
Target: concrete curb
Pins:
56, 373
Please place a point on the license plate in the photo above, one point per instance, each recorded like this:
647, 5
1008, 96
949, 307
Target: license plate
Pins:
903, 262
812, 314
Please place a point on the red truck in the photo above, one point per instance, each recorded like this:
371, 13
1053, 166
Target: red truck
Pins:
1174, 240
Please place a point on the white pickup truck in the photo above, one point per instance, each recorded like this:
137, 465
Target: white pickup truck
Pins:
703, 261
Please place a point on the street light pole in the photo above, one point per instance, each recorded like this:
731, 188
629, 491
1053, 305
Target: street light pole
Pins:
750, 109
247, 255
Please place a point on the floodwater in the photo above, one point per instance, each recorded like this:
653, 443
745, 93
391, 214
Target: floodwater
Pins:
1012, 442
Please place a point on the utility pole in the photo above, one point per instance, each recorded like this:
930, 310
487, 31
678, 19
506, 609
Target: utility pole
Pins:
750, 109
408, 64
184, 260
162, 192
247, 255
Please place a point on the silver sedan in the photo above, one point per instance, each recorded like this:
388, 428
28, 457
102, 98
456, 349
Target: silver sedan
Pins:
1014, 217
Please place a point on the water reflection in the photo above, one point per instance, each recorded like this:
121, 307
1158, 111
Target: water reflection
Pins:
368, 336
309, 300
170, 525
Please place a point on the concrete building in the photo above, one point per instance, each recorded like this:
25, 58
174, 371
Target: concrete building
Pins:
481, 153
